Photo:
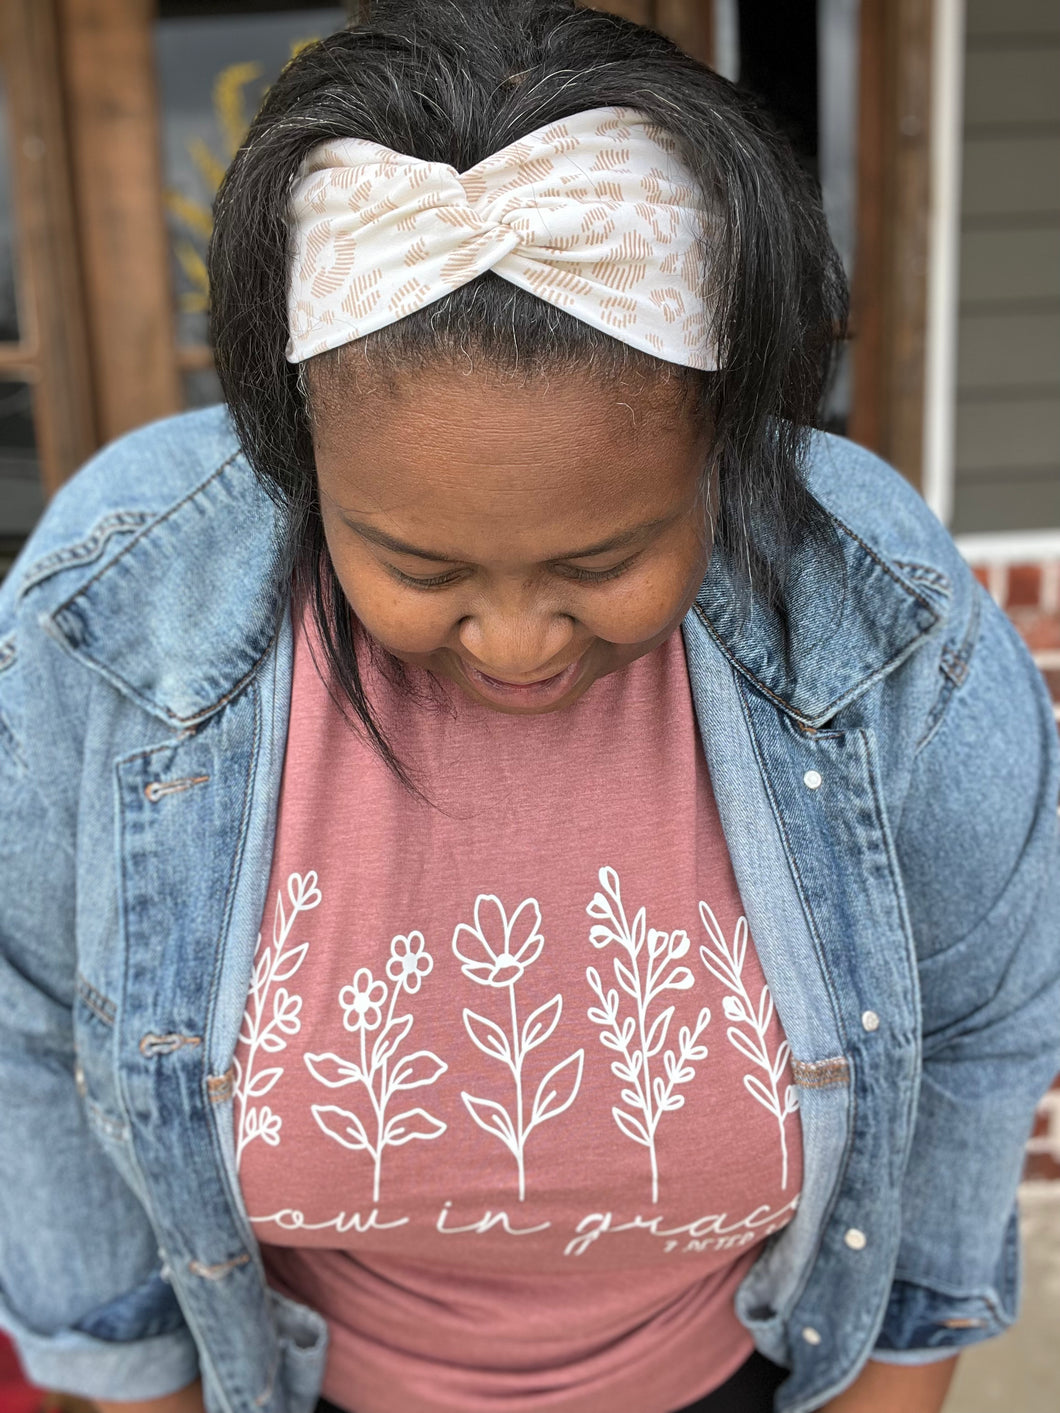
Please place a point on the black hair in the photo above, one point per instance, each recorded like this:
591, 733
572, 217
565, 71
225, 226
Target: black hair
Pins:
453, 81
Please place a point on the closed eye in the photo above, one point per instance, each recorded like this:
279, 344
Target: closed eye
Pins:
566, 571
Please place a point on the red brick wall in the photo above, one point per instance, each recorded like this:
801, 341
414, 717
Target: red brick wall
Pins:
1030, 595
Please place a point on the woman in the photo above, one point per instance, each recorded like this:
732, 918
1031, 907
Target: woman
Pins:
529, 876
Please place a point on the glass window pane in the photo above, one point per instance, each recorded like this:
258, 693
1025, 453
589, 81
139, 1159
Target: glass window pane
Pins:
213, 70
8, 300
21, 498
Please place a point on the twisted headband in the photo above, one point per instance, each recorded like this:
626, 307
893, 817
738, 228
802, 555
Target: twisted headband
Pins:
594, 214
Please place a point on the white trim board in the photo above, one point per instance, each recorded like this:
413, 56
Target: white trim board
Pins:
1013, 547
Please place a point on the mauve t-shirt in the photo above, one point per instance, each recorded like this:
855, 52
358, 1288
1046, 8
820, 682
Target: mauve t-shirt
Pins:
514, 1109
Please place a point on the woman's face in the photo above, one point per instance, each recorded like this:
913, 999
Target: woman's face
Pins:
519, 538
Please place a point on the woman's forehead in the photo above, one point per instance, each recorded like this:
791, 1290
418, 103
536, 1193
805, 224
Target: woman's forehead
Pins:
456, 450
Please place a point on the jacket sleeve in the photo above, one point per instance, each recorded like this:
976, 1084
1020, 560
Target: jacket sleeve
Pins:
81, 1291
979, 848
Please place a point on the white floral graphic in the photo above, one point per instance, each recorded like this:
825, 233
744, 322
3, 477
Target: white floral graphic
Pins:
634, 1038
264, 1027
381, 1071
503, 965
726, 963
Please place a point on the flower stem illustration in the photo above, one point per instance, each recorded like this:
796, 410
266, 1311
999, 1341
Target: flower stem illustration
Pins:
646, 972
276, 963
726, 963
503, 966
380, 1070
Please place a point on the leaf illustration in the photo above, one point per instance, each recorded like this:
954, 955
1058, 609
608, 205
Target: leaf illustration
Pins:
540, 1024
488, 1036
739, 949
656, 941
626, 978
333, 1070
491, 1118
289, 963
389, 1038
632, 1097
791, 1100
783, 1051
600, 936
637, 931
680, 979
549, 1101
755, 1086
745, 1046
721, 969
279, 920
765, 1009
303, 891
261, 968
343, 1127
262, 1082
271, 1043
414, 1071
679, 944
657, 1034
414, 1123
631, 1127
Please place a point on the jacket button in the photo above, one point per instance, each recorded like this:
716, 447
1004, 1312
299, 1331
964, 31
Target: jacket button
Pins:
870, 1020
813, 780
856, 1240
810, 1335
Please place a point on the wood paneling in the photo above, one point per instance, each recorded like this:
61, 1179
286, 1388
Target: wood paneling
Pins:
1010, 265
1008, 86
890, 282
642, 11
1001, 351
108, 60
53, 353
988, 18
690, 23
1010, 501
1008, 409
1007, 178
1015, 435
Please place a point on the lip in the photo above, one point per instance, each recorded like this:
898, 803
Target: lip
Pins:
544, 692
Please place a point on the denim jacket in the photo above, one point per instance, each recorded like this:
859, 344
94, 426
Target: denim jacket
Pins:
887, 780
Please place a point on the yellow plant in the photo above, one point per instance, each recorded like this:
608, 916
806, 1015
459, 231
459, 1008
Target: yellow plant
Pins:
193, 218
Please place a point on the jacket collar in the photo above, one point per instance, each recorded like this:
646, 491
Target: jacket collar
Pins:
845, 624
183, 616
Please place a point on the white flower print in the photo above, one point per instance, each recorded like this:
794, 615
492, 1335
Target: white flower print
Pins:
636, 1040
726, 963
409, 961
381, 1071
277, 962
505, 965
502, 966
363, 1002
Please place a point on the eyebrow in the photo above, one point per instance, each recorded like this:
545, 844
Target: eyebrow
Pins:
390, 542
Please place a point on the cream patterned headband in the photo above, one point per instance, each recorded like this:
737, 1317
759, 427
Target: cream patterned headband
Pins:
595, 214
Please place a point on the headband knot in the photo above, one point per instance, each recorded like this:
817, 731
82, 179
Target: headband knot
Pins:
594, 214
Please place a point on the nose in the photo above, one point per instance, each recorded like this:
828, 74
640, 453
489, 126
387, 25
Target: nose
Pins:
517, 641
